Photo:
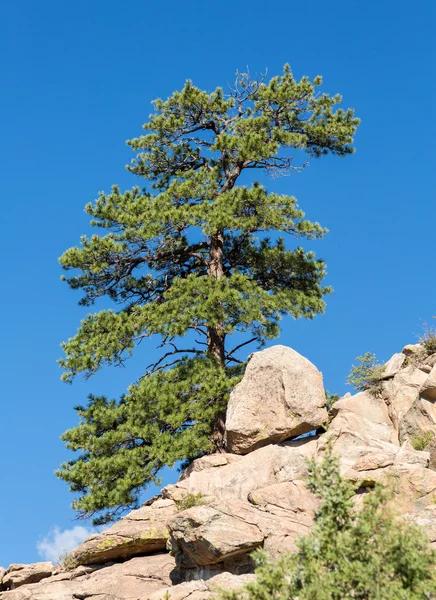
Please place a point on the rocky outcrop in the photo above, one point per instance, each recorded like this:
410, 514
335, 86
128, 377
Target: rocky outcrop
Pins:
254, 495
143, 531
280, 396
17, 575
136, 578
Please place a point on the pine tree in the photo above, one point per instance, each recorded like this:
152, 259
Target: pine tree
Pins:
368, 555
196, 256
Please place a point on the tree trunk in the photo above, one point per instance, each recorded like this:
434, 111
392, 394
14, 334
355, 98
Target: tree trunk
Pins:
216, 335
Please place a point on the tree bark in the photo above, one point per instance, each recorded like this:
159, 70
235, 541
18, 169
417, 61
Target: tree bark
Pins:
216, 335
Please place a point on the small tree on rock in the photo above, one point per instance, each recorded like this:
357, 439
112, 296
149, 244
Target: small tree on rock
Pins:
193, 254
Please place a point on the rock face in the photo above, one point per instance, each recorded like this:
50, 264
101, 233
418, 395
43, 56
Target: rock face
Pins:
143, 531
136, 578
254, 496
281, 396
18, 575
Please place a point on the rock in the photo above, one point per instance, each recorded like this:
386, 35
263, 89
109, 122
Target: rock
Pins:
412, 349
203, 589
431, 449
143, 531
428, 389
17, 575
419, 423
263, 467
209, 462
401, 391
366, 414
207, 535
393, 365
280, 396
136, 578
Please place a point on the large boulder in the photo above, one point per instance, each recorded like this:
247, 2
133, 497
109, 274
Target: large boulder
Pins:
280, 396
209, 535
143, 531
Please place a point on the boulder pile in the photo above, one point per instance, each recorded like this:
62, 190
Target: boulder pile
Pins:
197, 536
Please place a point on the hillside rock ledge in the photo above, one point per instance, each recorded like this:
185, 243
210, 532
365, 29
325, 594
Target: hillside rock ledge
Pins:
254, 495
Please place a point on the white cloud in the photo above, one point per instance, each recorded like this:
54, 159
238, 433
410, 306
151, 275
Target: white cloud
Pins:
58, 542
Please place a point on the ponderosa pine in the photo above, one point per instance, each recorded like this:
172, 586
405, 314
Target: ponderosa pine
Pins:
193, 254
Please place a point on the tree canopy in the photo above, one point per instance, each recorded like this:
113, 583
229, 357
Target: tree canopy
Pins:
371, 554
197, 256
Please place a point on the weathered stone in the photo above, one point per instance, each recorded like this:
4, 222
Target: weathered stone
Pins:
401, 391
280, 396
412, 349
143, 531
208, 535
261, 468
364, 413
419, 422
394, 364
428, 389
203, 589
205, 535
18, 574
133, 579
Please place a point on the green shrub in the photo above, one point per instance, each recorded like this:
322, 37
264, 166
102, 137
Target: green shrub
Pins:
190, 500
67, 562
420, 441
368, 375
370, 555
428, 339
330, 399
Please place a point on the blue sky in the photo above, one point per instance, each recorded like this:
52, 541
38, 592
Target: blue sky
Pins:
77, 81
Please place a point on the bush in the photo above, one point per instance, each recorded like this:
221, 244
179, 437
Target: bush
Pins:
67, 562
368, 375
420, 441
330, 399
428, 339
190, 500
370, 555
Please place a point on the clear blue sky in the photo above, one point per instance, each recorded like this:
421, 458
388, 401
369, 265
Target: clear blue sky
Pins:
77, 79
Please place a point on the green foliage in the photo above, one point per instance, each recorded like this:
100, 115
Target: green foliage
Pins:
330, 399
190, 500
420, 441
370, 555
189, 254
67, 562
368, 375
428, 339
163, 418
